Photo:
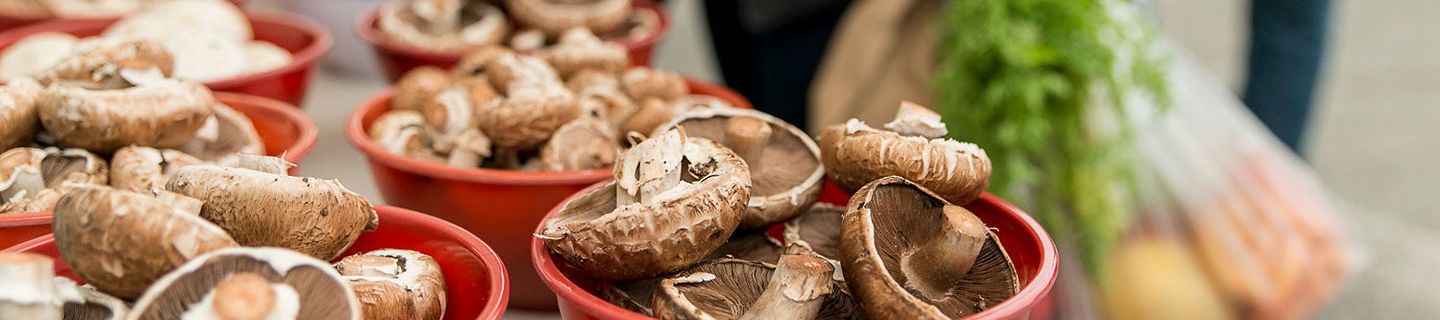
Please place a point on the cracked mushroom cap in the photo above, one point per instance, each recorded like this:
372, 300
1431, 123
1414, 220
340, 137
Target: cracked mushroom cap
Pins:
29, 291
162, 115
145, 169
555, 16
317, 217
250, 283
674, 201
909, 254
800, 286
396, 284
855, 154
86, 303
784, 162
19, 113
224, 135
418, 86
582, 144
158, 238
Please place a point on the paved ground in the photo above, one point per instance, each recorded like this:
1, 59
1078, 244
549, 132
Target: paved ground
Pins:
1375, 134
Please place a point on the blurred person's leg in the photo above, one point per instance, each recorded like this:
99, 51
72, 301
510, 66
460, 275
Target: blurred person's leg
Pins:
769, 50
1287, 45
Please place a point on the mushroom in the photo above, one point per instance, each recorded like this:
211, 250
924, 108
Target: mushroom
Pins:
250, 283
18, 113
85, 303
443, 24
820, 228
417, 87
157, 238
29, 291
144, 169
396, 284
265, 56
165, 114
855, 154
404, 132
528, 39
555, 16
313, 216
112, 64
800, 286
784, 163
751, 245
909, 254
674, 200
473, 64
580, 50
632, 295
454, 111
224, 135
601, 97
266, 164
529, 115
648, 117
33, 179
582, 144
164, 20
643, 83
34, 54
507, 68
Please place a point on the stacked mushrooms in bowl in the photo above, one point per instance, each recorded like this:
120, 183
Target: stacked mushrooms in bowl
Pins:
715, 217
412, 33
225, 242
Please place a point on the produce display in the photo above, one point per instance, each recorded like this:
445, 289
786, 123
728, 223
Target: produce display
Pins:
561, 110
657, 235
117, 99
209, 40
450, 25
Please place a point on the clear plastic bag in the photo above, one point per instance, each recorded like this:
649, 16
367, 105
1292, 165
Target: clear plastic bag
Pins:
1233, 201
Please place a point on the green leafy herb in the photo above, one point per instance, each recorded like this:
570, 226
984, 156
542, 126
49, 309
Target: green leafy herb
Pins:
1041, 85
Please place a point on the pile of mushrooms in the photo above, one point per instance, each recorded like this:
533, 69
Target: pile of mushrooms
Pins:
208, 39
563, 109
223, 242
449, 25
681, 232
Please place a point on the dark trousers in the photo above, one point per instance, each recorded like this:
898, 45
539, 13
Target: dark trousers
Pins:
1287, 48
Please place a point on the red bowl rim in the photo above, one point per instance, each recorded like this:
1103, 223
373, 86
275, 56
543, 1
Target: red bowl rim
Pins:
297, 151
302, 59
355, 132
1029, 294
500, 279
365, 28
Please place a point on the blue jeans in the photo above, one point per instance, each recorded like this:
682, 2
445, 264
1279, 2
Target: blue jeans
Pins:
1287, 45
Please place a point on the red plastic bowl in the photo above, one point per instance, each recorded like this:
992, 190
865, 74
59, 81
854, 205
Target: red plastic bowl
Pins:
500, 206
10, 20
1035, 257
475, 280
398, 58
282, 127
306, 41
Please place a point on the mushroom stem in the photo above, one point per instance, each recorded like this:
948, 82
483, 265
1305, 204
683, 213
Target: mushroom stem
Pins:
244, 296
942, 262
917, 120
652, 114
747, 136
796, 290
22, 181
29, 289
650, 168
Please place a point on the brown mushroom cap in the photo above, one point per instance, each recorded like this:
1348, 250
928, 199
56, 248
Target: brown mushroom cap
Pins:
105, 65
29, 291
313, 216
85, 303
799, 287
529, 115
257, 281
666, 230
404, 132
855, 154
443, 24
226, 134
395, 284
784, 162
643, 83
164, 115
580, 50
417, 87
582, 144
157, 238
18, 113
820, 228
555, 16
903, 253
